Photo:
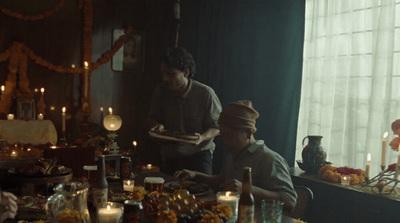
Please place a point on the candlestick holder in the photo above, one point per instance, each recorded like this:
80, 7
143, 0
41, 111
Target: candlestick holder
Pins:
386, 178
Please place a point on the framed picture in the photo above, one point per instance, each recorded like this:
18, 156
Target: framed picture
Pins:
25, 109
130, 58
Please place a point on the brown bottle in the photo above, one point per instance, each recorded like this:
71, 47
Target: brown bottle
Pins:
100, 187
246, 200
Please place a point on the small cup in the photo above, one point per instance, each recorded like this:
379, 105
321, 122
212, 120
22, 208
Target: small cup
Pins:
272, 211
128, 185
110, 212
154, 184
345, 180
89, 172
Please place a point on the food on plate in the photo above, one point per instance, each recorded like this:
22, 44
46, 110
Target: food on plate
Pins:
191, 186
40, 166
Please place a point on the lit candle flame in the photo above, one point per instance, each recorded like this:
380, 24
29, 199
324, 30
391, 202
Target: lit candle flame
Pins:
72, 65
108, 208
3, 88
110, 110
64, 109
385, 135
134, 143
42, 90
228, 193
112, 125
149, 166
86, 65
128, 182
369, 157
101, 109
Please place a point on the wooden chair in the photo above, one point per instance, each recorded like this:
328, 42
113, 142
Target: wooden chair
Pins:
302, 209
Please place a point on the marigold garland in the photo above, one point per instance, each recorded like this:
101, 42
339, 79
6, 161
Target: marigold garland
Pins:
18, 54
41, 16
332, 174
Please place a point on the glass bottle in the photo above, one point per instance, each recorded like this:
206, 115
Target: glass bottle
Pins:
246, 200
100, 187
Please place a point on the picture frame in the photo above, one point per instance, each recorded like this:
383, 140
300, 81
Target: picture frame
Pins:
26, 109
130, 57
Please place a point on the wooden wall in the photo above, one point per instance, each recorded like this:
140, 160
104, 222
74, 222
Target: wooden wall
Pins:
58, 39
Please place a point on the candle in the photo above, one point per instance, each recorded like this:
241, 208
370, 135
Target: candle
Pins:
128, 185
110, 110
345, 180
231, 199
3, 88
63, 118
10, 117
149, 166
101, 116
383, 161
368, 165
42, 90
13, 154
86, 79
40, 116
109, 214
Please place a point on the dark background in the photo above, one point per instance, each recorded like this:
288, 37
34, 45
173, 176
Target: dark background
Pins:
243, 49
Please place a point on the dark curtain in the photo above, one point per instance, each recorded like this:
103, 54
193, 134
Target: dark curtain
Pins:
251, 50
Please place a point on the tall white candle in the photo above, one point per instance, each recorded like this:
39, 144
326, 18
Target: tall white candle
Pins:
109, 215
101, 116
368, 165
383, 158
86, 79
63, 118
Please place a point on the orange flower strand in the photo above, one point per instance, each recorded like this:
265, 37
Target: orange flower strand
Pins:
46, 14
110, 53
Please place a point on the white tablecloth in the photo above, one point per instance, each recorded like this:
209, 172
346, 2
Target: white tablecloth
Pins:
35, 132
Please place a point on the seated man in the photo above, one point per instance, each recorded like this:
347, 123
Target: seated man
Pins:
270, 171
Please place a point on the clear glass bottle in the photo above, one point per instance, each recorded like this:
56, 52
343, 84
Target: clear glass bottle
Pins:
246, 200
100, 187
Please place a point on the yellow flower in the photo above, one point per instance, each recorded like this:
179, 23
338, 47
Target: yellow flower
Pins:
210, 218
224, 209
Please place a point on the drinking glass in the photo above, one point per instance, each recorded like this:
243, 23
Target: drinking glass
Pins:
272, 211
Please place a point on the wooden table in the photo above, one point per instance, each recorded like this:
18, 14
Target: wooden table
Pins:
211, 196
336, 203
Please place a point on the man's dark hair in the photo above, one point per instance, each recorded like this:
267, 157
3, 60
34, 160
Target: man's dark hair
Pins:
179, 58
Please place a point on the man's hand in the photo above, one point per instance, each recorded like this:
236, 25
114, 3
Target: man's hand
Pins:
8, 206
157, 128
231, 185
184, 174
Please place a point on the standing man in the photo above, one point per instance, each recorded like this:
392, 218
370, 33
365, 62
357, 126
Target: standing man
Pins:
270, 171
181, 104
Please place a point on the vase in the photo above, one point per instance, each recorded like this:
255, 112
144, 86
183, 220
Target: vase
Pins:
313, 154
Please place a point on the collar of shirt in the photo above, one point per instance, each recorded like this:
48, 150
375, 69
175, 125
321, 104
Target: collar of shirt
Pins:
251, 149
188, 89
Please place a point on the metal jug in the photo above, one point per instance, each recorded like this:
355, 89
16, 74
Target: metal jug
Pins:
69, 203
